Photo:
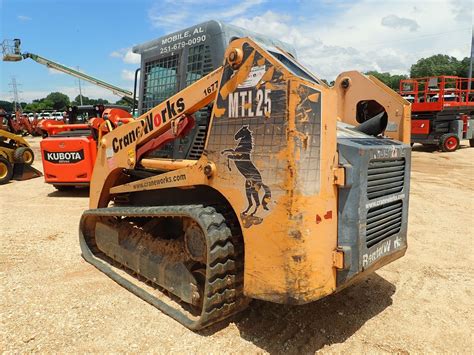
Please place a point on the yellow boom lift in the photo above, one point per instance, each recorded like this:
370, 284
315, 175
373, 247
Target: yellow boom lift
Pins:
11, 50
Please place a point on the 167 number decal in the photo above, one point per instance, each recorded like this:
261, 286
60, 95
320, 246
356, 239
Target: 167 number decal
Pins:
209, 90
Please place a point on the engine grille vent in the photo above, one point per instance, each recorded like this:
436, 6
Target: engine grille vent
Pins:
198, 144
383, 222
385, 177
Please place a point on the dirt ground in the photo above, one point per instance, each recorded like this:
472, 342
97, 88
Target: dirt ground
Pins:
53, 301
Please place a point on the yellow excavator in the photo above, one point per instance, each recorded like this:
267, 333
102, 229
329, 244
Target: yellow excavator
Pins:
299, 189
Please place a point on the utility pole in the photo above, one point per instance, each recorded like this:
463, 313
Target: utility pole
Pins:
16, 101
80, 90
472, 51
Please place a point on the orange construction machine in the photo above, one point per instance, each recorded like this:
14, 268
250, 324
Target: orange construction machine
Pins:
442, 110
69, 150
284, 189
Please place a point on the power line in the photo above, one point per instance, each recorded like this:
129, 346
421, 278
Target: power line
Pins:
415, 38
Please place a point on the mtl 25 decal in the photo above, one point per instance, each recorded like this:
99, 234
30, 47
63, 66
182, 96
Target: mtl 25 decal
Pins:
250, 103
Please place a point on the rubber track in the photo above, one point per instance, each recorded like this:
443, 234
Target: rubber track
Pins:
223, 295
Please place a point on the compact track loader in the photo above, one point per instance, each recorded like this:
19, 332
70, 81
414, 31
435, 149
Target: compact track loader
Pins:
16, 158
296, 192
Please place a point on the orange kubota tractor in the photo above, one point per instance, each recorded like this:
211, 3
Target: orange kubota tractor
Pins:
298, 189
69, 149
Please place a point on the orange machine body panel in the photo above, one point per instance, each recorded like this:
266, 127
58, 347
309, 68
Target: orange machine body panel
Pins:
68, 160
292, 124
420, 127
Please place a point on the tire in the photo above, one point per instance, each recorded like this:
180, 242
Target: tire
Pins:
471, 142
6, 171
23, 155
64, 187
448, 142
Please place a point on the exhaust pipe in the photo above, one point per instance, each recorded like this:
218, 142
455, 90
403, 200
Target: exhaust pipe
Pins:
374, 126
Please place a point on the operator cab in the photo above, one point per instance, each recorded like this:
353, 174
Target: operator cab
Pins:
173, 62
288, 60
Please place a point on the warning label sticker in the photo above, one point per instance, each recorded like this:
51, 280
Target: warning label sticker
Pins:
255, 75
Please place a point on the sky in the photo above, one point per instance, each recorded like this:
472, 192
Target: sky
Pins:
330, 36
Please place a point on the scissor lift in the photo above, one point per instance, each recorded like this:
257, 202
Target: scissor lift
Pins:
442, 110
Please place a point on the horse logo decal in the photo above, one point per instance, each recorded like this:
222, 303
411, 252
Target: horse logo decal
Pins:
241, 156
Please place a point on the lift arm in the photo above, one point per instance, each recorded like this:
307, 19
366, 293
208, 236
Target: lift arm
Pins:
62, 68
12, 53
120, 149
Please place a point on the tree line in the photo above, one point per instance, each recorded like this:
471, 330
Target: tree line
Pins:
439, 64
58, 101
436, 65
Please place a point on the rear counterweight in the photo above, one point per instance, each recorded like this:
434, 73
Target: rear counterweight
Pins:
373, 206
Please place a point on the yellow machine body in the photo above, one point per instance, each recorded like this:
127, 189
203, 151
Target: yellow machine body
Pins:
271, 154
16, 157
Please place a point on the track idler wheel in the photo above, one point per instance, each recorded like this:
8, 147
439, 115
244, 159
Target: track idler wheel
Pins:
195, 243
